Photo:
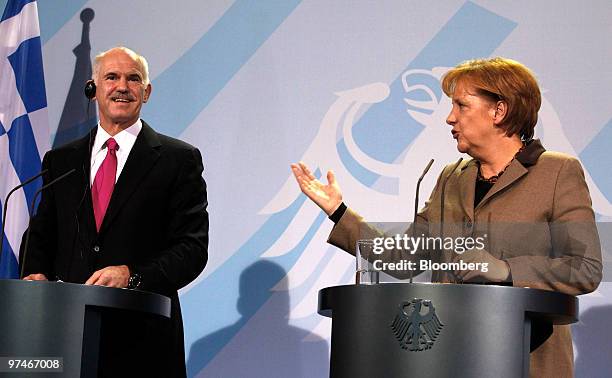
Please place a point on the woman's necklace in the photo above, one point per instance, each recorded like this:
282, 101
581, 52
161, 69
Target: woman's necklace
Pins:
493, 179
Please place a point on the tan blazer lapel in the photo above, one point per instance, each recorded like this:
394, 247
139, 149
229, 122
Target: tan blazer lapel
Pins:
467, 187
515, 171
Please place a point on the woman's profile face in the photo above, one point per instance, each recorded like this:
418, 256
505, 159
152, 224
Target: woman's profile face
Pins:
472, 118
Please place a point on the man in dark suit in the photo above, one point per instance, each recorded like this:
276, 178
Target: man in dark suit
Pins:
132, 215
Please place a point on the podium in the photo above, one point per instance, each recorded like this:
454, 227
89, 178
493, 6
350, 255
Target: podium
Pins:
439, 330
62, 320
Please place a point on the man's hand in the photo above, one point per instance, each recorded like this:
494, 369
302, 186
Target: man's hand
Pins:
36, 277
327, 197
111, 276
497, 270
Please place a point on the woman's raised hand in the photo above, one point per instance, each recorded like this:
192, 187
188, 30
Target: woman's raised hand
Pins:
327, 196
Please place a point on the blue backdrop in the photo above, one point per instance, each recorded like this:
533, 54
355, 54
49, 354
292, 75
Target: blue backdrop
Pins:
346, 85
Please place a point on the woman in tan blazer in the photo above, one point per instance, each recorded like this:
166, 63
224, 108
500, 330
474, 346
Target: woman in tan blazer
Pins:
533, 205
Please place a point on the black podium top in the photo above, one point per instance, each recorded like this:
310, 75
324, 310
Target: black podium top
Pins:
558, 308
62, 293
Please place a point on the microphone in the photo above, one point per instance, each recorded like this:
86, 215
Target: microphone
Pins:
5, 207
416, 204
27, 240
443, 196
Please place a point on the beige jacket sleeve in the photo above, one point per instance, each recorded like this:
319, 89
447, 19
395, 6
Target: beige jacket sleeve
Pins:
574, 264
352, 227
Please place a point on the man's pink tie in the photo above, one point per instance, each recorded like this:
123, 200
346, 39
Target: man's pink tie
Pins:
104, 183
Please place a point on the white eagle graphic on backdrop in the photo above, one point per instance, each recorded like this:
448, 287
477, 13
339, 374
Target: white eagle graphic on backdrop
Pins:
434, 141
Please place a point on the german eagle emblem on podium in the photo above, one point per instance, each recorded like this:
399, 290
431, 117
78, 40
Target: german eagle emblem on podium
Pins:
415, 331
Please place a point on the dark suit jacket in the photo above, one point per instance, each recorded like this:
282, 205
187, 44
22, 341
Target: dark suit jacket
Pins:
156, 224
538, 218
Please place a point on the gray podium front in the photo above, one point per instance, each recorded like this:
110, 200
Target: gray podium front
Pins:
57, 319
439, 330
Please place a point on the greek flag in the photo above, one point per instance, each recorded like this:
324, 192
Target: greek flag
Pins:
24, 131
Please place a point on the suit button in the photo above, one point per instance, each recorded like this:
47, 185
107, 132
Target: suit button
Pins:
96, 248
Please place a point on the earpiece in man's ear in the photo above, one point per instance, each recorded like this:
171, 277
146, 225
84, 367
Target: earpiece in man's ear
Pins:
90, 89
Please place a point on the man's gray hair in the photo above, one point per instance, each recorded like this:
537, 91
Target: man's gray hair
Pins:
137, 57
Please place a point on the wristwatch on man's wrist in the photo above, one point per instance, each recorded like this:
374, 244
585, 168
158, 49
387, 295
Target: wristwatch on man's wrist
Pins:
134, 281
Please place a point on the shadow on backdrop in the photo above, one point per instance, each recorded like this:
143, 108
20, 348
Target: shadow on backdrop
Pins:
78, 117
593, 341
268, 346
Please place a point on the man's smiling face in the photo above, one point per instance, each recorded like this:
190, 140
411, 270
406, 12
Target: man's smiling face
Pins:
120, 89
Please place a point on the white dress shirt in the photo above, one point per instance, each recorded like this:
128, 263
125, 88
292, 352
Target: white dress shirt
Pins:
125, 140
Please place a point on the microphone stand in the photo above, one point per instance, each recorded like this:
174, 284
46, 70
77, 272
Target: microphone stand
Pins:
5, 207
27, 240
416, 205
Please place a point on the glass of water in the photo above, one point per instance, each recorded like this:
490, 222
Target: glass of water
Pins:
365, 272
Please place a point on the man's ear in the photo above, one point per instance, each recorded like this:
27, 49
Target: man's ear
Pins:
147, 93
501, 110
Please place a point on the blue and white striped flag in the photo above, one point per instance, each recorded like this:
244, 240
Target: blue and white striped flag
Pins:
24, 130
